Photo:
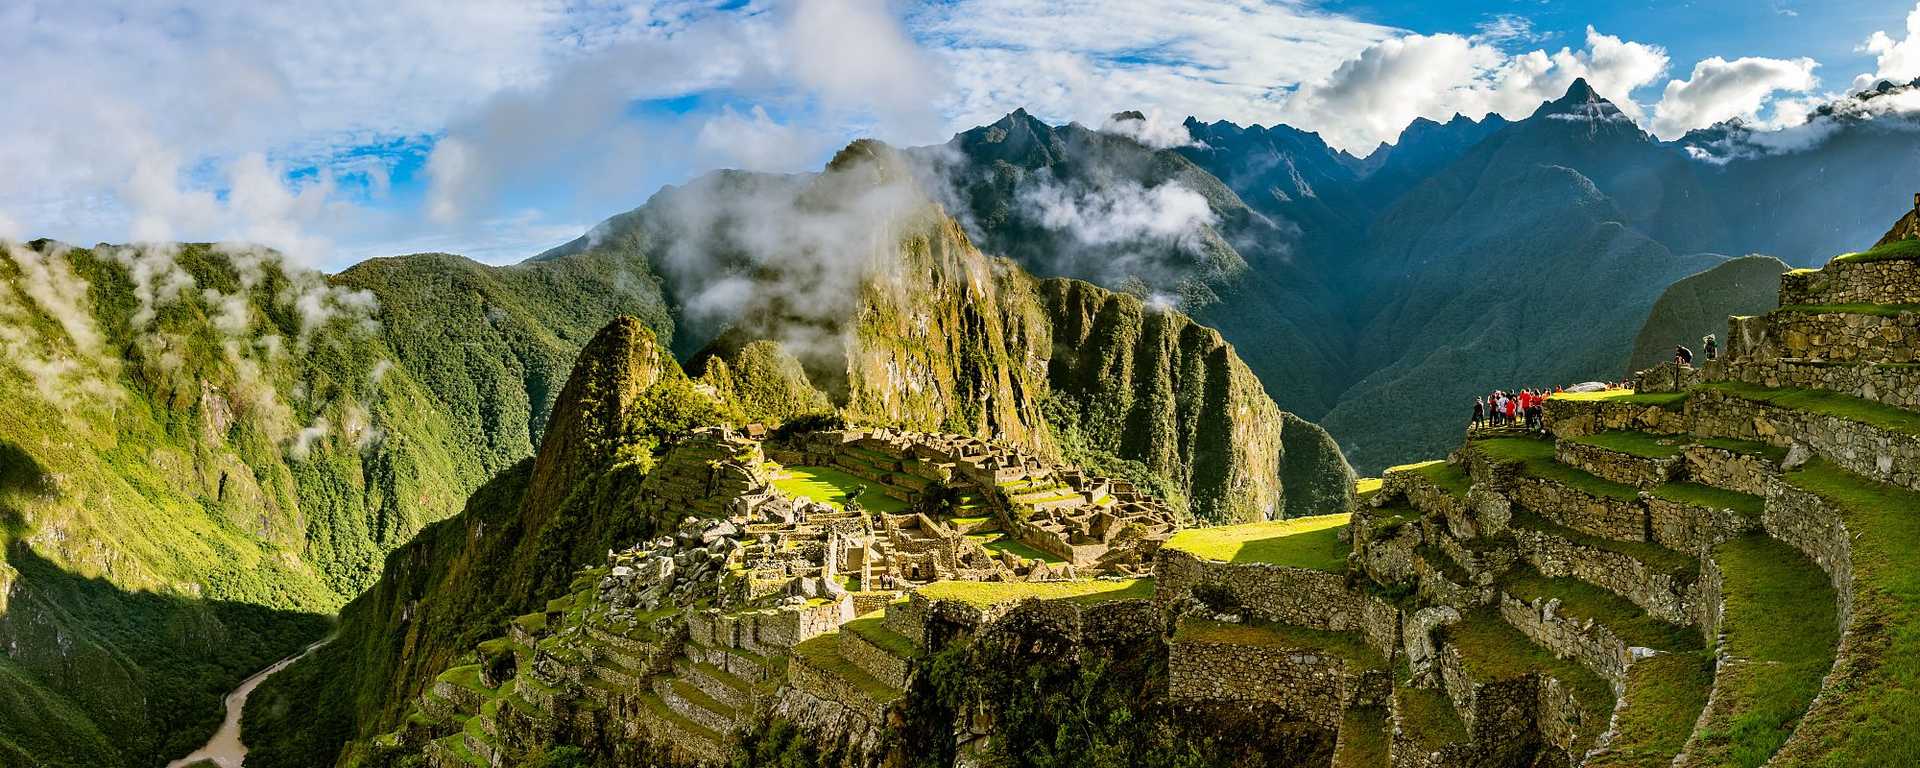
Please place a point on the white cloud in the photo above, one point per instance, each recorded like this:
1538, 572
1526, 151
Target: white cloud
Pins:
1085, 59
1895, 60
1371, 97
756, 142
1721, 89
1153, 128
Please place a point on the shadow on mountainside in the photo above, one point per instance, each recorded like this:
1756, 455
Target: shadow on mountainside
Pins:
92, 674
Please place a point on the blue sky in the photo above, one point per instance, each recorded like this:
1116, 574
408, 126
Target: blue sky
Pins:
343, 129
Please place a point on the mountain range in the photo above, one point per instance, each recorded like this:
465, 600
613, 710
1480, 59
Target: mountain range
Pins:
207, 448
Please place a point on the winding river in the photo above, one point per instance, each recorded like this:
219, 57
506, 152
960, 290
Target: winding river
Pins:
225, 749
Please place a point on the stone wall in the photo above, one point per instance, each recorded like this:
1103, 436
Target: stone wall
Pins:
1694, 529
1637, 471
1666, 377
1863, 449
1578, 418
1829, 337
1587, 642
1306, 683
1895, 385
1601, 516
1805, 521
1892, 281
1722, 468
1303, 598
1667, 596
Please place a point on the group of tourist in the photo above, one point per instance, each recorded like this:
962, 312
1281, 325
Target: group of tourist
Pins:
1503, 409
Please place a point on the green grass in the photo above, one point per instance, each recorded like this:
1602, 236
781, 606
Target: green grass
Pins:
1744, 447
1447, 477
466, 676
1491, 650
1302, 542
664, 712
830, 486
1580, 600
1428, 714
1898, 249
1365, 487
1363, 738
1876, 310
1536, 460
1664, 697
1668, 400
1748, 505
1633, 443
1780, 616
1346, 645
1873, 719
1826, 403
872, 628
823, 653
1659, 558
999, 541
986, 594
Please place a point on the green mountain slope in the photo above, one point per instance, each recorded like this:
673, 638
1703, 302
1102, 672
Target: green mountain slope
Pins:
220, 447
1700, 304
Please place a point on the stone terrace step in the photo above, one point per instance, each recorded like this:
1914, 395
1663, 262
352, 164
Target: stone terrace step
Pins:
1690, 517
690, 702
1848, 333
1427, 731
691, 739
1593, 626
820, 669
1742, 466
1855, 279
1869, 439
1488, 666
1663, 582
1363, 738
1638, 459
1892, 384
1778, 630
1557, 492
1865, 713
1657, 712
723, 686
881, 652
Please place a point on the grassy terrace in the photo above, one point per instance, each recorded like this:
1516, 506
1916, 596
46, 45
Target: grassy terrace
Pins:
1633, 443
1428, 715
1653, 555
1363, 738
986, 594
1748, 505
664, 712
829, 486
1447, 477
1898, 249
872, 628
1346, 645
1827, 403
1664, 697
1877, 310
1754, 448
1873, 720
1580, 600
823, 653
1668, 400
1302, 542
1365, 487
1780, 619
1536, 460
999, 541
1491, 649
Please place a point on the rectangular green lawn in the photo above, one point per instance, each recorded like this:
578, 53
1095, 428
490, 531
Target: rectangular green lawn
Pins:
830, 486
1302, 542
